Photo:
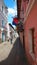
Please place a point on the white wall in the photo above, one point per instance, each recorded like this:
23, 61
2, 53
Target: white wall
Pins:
8, 30
3, 16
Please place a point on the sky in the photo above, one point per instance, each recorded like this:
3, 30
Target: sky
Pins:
12, 9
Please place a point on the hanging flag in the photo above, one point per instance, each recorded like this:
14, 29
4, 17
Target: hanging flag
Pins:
15, 21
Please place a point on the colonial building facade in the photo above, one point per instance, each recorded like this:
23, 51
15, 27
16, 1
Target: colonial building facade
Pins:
28, 15
3, 21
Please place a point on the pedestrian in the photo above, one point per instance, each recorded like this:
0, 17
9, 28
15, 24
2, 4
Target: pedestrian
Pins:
11, 40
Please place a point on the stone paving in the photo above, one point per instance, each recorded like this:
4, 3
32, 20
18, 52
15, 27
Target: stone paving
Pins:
5, 49
15, 54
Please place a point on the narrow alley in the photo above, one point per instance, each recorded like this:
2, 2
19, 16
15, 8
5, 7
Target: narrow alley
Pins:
18, 32
16, 56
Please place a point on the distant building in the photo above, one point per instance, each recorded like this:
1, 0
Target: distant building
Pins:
10, 31
3, 21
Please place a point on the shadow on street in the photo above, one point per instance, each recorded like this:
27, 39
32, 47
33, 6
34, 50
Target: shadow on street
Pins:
16, 56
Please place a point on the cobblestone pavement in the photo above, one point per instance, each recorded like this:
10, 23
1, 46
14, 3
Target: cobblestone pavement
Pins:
16, 55
5, 49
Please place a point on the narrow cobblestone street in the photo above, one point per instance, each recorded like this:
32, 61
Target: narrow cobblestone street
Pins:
18, 32
16, 55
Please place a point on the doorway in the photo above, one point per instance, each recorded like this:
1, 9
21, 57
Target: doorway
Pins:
3, 37
23, 41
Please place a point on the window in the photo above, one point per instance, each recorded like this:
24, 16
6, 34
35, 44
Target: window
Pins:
3, 23
32, 32
2, 8
3, 37
31, 40
22, 10
22, 14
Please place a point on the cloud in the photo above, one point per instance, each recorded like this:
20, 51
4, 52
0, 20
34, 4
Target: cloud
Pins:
12, 11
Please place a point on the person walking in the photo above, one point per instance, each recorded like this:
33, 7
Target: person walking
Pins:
11, 39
